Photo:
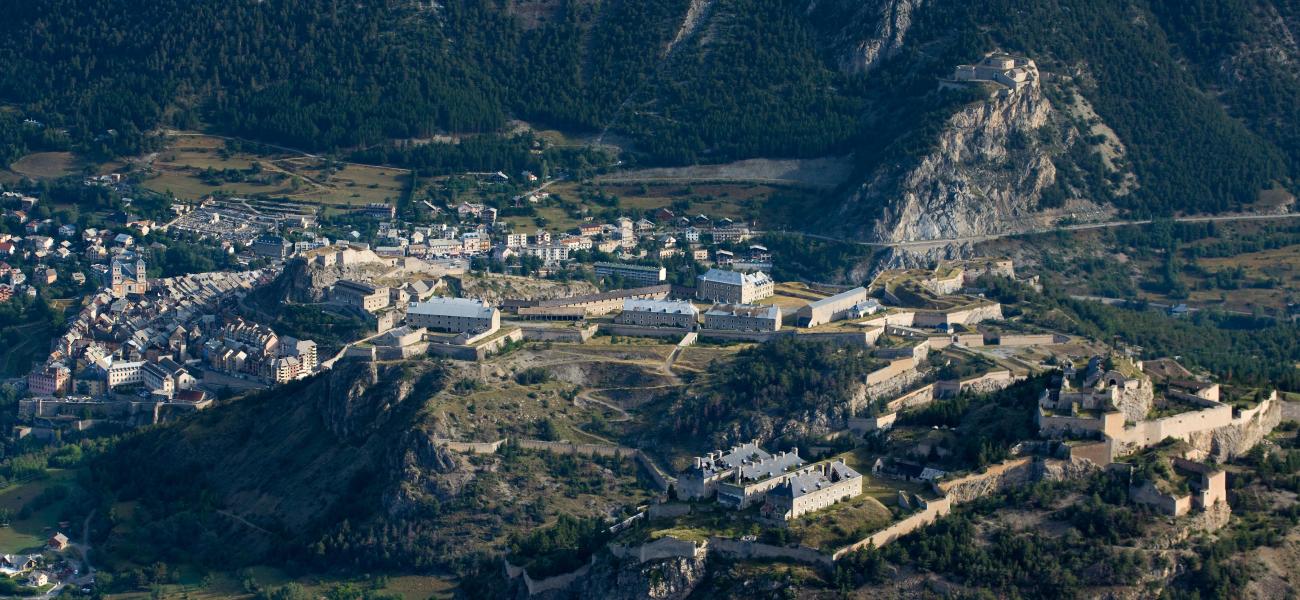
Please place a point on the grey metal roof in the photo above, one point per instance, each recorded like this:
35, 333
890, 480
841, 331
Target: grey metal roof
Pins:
451, 307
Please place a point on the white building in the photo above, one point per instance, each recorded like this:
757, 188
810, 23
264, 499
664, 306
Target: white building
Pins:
123, 373
456, 315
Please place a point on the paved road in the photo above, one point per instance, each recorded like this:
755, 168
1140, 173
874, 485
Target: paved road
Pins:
1121, 301
1080, 227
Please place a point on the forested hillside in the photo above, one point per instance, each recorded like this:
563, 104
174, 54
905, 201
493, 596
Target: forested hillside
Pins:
1201, 93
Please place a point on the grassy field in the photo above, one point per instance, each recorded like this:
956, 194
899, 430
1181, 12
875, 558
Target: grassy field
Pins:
32, 532
222, 586
572, 201
841, 524
180, 167
42, 165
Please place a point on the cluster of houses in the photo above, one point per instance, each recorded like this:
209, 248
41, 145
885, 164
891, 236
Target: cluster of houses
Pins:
48, 248
479, 234
242, 347
143, 338
44, 571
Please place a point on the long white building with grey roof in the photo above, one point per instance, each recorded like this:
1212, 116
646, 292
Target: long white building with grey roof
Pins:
733, 287
843, 305
455, 315
658, 313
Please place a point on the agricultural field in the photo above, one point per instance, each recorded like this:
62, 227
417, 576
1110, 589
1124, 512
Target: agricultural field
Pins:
25, 534
195, 166
42, 165
194, 585
572, 203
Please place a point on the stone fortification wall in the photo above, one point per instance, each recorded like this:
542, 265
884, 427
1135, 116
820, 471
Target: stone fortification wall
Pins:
543, 333
660, 549
1181, 426
900, 319
979, 384
742, 549
865, 338
744, 336
1028, 339
642, 330
893, 369
914, 399
929, 514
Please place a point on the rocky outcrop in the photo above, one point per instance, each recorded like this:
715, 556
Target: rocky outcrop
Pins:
359, 397
1136, 403
867, 33
612, 578
971, 184
1013, 473
1235, 440
986, 174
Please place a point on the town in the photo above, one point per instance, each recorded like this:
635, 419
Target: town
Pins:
143, 350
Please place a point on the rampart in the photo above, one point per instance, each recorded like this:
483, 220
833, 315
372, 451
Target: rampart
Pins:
931, 512
893, 369
544, 333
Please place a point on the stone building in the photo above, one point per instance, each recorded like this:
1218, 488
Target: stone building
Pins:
752, 479
166, 377
364, 296
701, 479
51, 380
837, 307
734, 287
594, 305
658, 313
1014, 72
123, 372
455, 315
811, 489
743, 317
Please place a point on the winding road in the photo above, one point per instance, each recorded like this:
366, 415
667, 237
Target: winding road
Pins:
975, 239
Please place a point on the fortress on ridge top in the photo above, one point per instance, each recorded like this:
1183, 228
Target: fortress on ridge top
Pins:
1013, 72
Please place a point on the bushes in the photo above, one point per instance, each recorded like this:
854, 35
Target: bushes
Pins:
533, 376
560, 548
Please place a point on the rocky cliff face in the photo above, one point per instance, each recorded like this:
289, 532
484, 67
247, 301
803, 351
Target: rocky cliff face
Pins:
360, 396
1225, 443
1136, 403
985, 175
666, 579
867, 33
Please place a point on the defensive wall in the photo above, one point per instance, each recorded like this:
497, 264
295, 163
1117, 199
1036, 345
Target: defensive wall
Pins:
642, 330
542, 333
930, 513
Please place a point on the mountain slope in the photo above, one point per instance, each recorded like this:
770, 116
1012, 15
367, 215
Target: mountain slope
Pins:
1200, 95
